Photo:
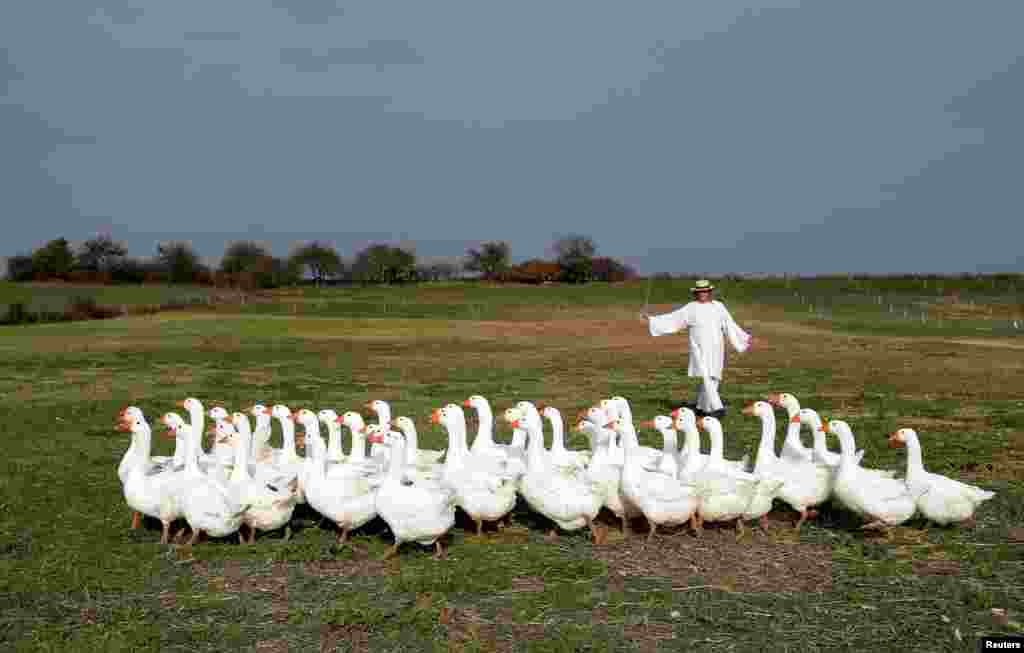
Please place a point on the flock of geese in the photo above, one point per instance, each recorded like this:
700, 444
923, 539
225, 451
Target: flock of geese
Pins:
243, 483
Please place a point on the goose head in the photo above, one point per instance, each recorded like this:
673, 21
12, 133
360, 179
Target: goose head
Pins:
192, 405
660, 423
809, 417
380, 408
327, 417
708, 423
378, 435
445, 416
528, 410
784, 400
684, 418
217, 413
174, 424
900, 437
281, 412
133, 425
511, 414
551, 413
354, 421
306, 418
623, 408
758, 409
477, 402
131, 412
403, 424
610, 407
599, 416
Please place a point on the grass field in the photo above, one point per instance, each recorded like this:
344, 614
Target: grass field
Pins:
74, 577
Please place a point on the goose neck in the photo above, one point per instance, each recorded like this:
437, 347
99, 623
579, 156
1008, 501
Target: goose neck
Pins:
915, 463
334, 451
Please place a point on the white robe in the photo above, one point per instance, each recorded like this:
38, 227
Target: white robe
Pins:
709, 324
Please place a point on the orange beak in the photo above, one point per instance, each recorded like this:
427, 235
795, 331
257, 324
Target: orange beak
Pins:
675, 413
824, 425
368, 405
435, 417
614, 424
748, 409
700, 422
647, 424
894, 441
795, 419
182, 403
467, 404
515, 423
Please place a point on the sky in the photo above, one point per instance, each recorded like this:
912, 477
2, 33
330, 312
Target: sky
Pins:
681, 136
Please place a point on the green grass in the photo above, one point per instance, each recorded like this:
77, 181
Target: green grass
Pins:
74, 577
55, 296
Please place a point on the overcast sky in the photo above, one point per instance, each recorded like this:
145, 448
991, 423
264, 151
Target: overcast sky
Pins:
719, 136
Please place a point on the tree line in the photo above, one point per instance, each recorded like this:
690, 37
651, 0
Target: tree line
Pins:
250, 265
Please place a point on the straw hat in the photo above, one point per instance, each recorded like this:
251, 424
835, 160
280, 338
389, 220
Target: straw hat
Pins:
702, 284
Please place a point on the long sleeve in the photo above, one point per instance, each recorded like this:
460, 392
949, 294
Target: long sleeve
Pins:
738, 338
660, 325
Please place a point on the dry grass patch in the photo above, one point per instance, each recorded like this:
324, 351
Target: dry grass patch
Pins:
753, 564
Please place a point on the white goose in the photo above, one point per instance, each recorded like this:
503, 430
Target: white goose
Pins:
570, 501
272, 500
810, 418
608, 414
415, 512
431, 471
222, 452
608, 473
481, 493
261, 449
329, 418
660, 496
153, 495
669, 461
207, 463
458, 454
156, 463
211, 505
357, 456
422, 456
685, 420
793, 450
725, 493
886, 502
285, 456
484, 442
559, 455
346, 496
939, 498
806, 484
